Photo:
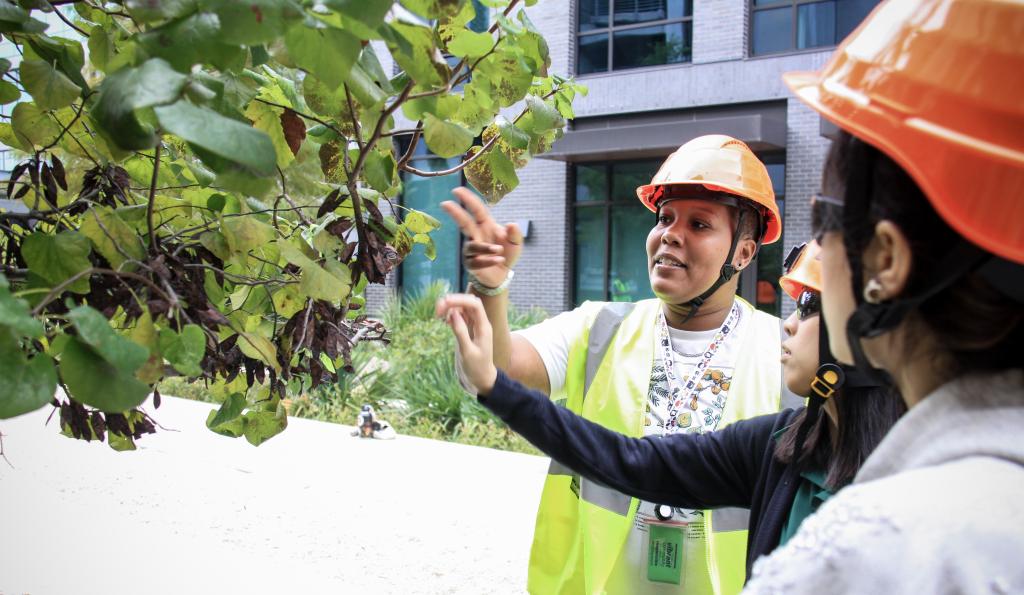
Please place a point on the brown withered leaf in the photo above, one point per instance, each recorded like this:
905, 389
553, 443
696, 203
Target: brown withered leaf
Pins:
294, 130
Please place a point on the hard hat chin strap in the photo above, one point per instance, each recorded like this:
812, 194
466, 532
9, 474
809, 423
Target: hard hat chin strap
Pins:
726, 273
871, 320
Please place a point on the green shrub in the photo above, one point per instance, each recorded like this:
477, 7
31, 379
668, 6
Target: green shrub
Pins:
411, 383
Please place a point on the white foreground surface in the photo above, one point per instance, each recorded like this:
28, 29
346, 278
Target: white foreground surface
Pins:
313, 510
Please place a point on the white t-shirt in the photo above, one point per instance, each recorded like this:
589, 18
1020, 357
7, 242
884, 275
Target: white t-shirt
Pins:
552, 340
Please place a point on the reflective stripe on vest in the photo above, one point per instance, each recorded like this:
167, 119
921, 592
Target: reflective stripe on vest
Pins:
581, 530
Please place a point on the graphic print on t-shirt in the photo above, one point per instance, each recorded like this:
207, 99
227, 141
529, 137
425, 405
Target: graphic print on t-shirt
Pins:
705, 409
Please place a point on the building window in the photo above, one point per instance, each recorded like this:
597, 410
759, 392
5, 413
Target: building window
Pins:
621, 34
610, 232
789, 25
425, 194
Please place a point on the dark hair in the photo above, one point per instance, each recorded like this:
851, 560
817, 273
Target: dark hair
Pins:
753, 226
977, 325
865, 416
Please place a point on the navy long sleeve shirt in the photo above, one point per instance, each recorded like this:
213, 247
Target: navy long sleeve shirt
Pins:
733, 467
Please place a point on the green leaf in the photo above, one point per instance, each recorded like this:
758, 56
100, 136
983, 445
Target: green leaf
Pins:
192, 40
316, 281
545, 116
14, 19
95, 332
246, 233
8, 93
223, 137
259, 348
33, 127
58, 257
148, 11
362, 87
94, 381
261, 426
254, 21
433, 9
446, 139
418, 222
184, 350
128, 90
66, 55
379, 170
469, 44
413, 48
513, 136
493, 175
322, 100
49, 88
267, 119
114, 239
370, 64
287, 301
326, 52
229, 411
369, 13
507, 74
25, 384
15, 315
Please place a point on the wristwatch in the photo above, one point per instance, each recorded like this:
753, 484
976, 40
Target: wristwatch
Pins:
490, 291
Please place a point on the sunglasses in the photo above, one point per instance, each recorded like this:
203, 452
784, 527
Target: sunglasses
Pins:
826, 215
808, 304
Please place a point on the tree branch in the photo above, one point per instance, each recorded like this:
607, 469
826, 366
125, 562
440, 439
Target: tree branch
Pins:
152, 196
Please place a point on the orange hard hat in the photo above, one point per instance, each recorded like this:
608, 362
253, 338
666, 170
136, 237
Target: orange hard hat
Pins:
930, 84
803, 270
719, 163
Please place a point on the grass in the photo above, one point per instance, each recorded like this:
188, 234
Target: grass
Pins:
411, 383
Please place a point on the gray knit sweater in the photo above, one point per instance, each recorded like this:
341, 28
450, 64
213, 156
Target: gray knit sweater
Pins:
937, 508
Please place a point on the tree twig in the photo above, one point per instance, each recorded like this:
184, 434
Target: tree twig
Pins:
152, 199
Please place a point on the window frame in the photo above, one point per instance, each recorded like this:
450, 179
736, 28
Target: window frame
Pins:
610, 31
794, 7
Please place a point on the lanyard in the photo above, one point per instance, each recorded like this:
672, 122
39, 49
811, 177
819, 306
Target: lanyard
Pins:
681, 394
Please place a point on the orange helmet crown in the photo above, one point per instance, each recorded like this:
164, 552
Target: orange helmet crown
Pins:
803, 270
930, 84
723, 164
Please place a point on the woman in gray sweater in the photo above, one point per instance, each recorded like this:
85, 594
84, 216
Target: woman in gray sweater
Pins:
922, 230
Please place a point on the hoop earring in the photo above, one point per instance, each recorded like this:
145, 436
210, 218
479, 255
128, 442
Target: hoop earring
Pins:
873, 292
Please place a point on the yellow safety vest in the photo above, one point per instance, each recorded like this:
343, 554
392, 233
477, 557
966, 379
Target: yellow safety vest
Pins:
582, 526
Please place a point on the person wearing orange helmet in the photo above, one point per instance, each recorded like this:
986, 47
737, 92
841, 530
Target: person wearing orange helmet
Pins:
781, 466
695, 359
920, 220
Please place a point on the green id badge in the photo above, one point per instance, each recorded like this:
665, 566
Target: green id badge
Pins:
665, 553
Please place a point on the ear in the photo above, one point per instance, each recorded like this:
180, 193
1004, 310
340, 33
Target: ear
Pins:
889, 259
746, 249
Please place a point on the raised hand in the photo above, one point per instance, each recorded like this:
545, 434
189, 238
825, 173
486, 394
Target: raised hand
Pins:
492, 248
466, 316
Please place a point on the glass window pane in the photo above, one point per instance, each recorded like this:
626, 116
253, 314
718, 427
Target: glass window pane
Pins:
769, 267
640, 11
849, 14
627, 176
593, 54
590, 251
777, 172
772, 30
649, 46
591, 183
426, 194
816, 25
629, 280
481, 21
770, 2
593, 14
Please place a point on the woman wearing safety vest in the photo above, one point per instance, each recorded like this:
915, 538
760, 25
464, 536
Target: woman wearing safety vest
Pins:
922, 229
695, 359
751, 464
